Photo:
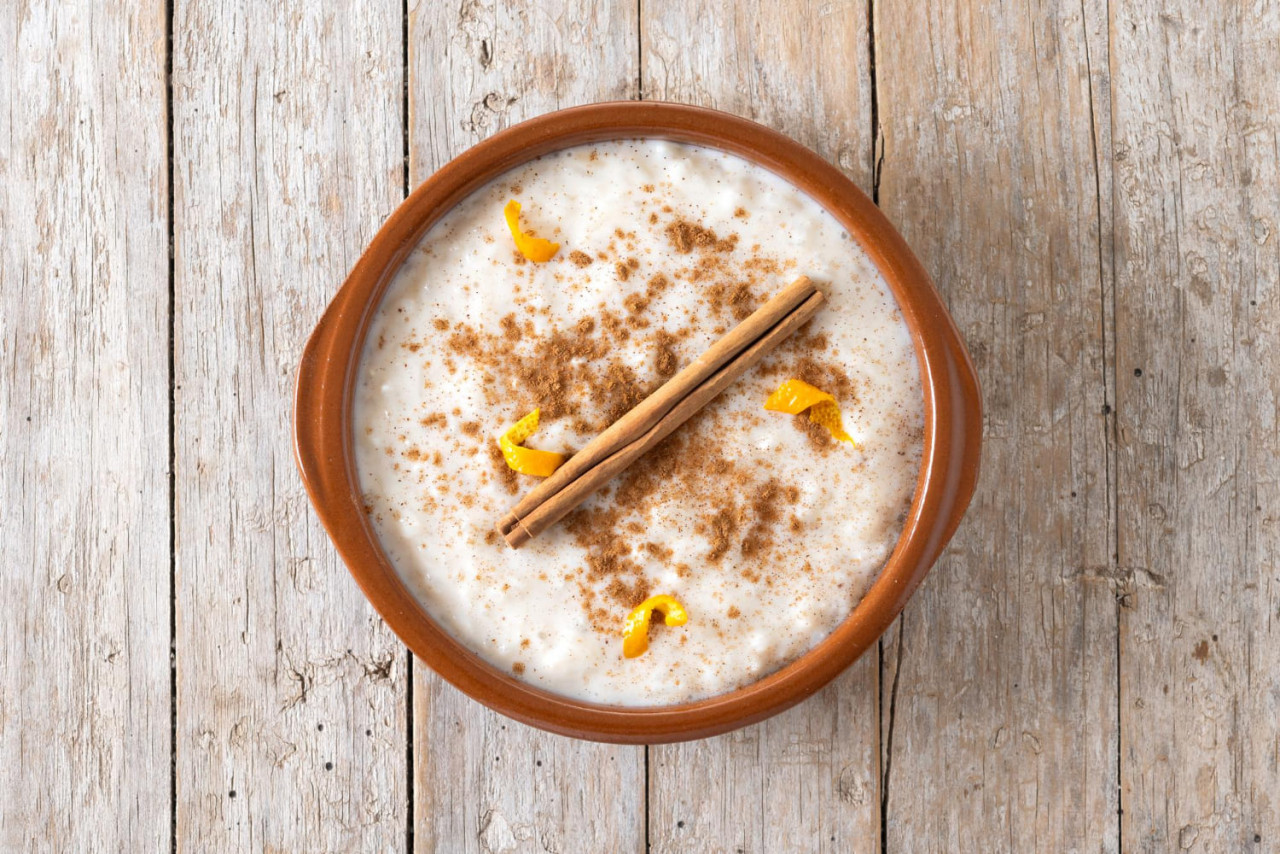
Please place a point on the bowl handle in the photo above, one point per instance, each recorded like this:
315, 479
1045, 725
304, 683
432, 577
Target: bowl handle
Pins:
319, 446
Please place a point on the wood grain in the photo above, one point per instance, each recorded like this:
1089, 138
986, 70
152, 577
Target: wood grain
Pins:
801, 67
484, 783
1001, 730
477, 66
808, 779
1197, 208
288, 141
84, 577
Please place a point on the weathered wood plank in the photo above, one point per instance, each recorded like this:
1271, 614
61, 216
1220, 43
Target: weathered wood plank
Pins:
484, 783
801, 67
1002, 731
84, 413
291, 691
808, 779
1197, 208
478, 66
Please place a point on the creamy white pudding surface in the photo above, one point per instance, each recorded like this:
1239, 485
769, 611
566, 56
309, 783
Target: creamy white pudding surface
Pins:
765, 528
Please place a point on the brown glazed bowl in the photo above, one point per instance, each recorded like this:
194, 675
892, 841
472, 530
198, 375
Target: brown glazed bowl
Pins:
327, 377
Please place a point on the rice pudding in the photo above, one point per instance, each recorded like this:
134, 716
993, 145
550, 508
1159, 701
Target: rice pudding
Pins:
764, 527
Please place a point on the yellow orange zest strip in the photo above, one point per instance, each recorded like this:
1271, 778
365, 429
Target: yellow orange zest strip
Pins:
635, 633
527, 460
795, 396
533, 248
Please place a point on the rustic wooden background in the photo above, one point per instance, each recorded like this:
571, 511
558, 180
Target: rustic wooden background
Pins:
1094, 666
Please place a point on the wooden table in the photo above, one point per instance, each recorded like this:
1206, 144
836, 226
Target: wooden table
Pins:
1095, 664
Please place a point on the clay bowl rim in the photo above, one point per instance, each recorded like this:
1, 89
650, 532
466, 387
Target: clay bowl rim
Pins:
326, 378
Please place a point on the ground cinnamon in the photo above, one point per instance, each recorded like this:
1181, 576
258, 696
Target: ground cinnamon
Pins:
661, 413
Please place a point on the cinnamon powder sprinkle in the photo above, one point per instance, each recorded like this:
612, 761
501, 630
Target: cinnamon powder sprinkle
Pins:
658, 552
767, 506
657, 285
685, 236
506, 476
665, 360
721, 530
580, 258
510, 327
736, 298
693, 461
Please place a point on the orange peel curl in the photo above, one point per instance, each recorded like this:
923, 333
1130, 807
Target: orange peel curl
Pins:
527, 460
635, 632
795, 396
535, 249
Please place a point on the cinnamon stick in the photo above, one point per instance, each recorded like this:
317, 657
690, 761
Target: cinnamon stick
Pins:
658, 415
651, 409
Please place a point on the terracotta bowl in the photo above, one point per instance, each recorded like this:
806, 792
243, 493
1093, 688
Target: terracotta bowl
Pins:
327, 377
